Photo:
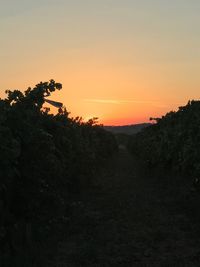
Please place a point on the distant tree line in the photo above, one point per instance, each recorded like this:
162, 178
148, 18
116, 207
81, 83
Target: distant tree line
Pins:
45, 160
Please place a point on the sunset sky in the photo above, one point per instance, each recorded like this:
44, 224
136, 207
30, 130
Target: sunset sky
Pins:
120, 60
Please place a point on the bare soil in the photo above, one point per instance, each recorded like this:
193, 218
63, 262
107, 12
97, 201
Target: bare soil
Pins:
129, 218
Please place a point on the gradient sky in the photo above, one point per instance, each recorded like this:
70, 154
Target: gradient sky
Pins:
120, 60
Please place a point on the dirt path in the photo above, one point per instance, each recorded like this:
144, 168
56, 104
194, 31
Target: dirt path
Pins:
128, 219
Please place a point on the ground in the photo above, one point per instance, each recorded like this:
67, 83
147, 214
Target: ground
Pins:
129, 218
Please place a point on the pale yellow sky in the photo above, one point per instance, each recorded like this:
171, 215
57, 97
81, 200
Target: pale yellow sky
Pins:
121, 61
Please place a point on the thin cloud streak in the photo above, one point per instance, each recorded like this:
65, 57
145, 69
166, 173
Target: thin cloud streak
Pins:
102, 101
119, 102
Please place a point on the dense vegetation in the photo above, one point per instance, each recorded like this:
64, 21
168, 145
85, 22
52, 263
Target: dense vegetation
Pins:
173, 142
45, 160
48, 163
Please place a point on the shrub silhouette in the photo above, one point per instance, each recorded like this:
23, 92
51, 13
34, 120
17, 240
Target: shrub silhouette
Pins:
45, 158
173, 141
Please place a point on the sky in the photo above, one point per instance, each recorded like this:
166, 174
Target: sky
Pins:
122, 61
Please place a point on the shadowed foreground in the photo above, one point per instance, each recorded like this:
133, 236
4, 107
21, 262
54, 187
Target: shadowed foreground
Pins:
129, 219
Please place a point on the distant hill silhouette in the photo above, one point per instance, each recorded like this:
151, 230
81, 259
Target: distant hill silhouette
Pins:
127, 129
